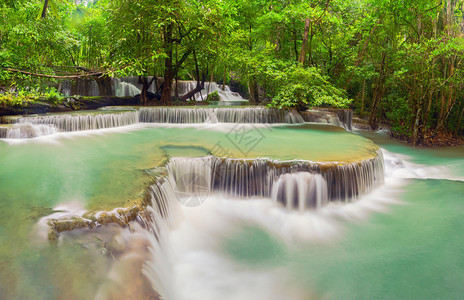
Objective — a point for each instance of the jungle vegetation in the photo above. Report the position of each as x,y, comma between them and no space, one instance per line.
393,61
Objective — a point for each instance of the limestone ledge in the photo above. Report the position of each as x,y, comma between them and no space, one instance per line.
137,209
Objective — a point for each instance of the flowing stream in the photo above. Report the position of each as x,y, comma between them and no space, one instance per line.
274,232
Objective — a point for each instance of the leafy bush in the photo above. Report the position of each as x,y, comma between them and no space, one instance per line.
300,87
400,117
214,96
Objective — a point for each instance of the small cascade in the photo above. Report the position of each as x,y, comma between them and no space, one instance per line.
212,118
346,118
82,87
173,115
84,121
300,191
223,115
225,95
299,184
125,89
192,184
163,215
342,118
65,88
26,131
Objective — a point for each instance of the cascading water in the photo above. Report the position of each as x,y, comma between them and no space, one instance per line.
84,122
342,118
223,115
315,183
225,95
297,186
309,190
163,214
82,87
130,86
124,89
26,131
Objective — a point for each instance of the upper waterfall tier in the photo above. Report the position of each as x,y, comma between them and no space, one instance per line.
130,86
78,122
223,115
339,117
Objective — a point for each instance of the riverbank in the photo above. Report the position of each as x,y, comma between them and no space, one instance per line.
431,139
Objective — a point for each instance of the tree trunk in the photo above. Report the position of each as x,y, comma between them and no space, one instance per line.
200,85
456,131
253,90
224,79
363,95
44,10
379,89
378,95
145,86
295,48
415,131
304,45
168,72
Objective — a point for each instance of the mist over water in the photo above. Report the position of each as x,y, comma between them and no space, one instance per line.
401,240
254,248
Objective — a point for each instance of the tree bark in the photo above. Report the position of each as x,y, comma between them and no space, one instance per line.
304,45
200,85
168,72
415,131
379,89
145,86
44,10
253,90
456,131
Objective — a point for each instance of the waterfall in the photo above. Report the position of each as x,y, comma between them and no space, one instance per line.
130,86
125,89
298,184
163,214
346,118
301,190
83,87
224,115
341,117
26,131
295,185
85,121
226,95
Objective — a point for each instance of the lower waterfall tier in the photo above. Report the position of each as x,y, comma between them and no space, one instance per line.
296,184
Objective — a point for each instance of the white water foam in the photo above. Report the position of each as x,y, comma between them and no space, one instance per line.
202,269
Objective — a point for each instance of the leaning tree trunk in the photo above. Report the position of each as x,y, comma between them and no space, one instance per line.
44,10
200,84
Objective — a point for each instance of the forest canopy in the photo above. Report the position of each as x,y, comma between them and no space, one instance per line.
398,62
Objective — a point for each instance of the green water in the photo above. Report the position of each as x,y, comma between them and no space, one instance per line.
414,249
106,170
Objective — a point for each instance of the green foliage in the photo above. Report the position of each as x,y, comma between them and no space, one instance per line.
213,97
20,99
401,61
400,116
302,87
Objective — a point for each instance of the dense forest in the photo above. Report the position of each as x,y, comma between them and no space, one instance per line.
398,62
